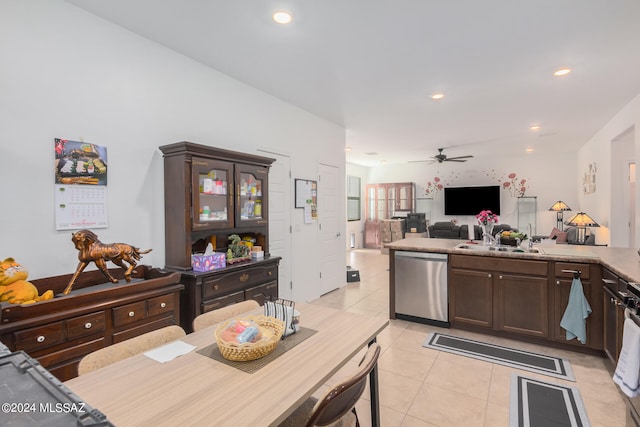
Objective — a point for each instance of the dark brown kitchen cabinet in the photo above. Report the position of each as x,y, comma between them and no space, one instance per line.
523,303
499,294
471,297
561,283
613,304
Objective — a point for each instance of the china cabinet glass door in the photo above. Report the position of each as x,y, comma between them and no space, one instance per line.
213,201
250,186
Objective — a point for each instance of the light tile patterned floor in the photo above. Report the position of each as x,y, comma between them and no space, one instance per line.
421,387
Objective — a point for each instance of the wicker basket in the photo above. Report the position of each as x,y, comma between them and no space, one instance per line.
250,351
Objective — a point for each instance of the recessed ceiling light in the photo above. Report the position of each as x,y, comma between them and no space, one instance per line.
347,148
437,96
562,72
529,149
534,127
282,17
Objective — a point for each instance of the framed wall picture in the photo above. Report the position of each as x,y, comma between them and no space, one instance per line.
306,192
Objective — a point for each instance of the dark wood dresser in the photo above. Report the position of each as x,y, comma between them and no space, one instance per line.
59,332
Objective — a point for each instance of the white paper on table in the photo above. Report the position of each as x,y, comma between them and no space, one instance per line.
169,351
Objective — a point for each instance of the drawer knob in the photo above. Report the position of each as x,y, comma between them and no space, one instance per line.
216,287
132,313
557,282
163,305
88,325
244,277
41,338
500,277
269,273
489,275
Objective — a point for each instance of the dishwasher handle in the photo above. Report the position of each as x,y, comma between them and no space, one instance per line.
429,256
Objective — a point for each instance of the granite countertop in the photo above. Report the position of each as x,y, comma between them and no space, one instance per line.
624,262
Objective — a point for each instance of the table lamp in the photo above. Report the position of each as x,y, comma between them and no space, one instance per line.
581,221
559,207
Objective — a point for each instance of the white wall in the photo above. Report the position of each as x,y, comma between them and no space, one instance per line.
549,178
67,74
599,150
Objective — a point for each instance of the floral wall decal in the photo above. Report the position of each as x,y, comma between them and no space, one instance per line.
516,187
432,188
589,179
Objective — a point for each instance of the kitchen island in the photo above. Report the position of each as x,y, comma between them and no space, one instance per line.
523,295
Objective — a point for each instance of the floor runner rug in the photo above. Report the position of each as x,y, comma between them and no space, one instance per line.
536,403
519,359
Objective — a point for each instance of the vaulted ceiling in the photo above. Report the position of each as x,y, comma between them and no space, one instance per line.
372,66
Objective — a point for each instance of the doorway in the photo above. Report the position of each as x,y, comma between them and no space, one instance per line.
623,190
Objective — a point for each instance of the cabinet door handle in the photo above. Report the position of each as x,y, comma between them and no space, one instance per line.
88,325
41,338
163,305
132,313
557,282
609,281
489,275
500,277
269,273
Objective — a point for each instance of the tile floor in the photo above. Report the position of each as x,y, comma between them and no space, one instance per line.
421,387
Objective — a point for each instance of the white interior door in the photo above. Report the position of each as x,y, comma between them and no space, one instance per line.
330,227
280,219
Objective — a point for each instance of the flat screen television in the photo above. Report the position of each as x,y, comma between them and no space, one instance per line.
471,200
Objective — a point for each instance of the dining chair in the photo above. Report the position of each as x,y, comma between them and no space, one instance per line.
124,349
337,407
216,316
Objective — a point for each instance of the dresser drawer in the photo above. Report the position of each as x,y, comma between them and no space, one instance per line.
129,313
85,325
40,337
159,305
229,282
216,303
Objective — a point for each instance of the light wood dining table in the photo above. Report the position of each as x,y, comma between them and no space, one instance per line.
197,390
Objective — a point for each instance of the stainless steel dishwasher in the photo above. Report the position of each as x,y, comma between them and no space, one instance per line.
421,287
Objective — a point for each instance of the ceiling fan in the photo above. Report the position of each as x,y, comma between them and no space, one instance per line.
443,158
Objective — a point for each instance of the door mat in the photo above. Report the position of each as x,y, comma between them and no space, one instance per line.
535,403
252,366
519,359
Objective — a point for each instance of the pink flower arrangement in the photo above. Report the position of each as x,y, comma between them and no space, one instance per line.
485,217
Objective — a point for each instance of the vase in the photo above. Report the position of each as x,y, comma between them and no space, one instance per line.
486,233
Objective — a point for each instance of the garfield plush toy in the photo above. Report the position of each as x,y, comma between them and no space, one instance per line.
14,287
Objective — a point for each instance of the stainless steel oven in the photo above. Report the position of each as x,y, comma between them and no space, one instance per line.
632,301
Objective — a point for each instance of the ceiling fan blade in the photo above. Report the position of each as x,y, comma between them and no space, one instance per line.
422,161
459,157
455,160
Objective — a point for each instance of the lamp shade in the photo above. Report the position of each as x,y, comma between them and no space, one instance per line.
559,206
581,219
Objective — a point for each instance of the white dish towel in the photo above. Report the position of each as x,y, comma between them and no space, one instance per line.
627,374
